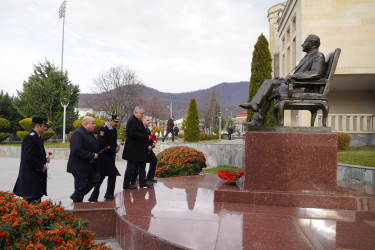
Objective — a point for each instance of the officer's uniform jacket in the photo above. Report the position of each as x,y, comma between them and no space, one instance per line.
107,136
31,181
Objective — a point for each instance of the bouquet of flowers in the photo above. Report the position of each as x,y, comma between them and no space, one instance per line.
153,137
230,177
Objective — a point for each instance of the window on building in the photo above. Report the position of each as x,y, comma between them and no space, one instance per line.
276,65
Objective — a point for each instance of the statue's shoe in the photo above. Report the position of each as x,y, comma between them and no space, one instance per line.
253,106
255,123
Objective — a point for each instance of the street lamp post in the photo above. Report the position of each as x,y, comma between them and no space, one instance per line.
170,108
62,11
230,113
219,115
64,102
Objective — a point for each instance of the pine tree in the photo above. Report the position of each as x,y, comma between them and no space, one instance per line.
191,133
8,112
42,94
261,69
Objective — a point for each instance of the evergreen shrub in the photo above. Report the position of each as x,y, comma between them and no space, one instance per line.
180,161
121,132
3,136
157,130
343,140
4,125
191,130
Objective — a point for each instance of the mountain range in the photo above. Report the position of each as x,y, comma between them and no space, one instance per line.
228,96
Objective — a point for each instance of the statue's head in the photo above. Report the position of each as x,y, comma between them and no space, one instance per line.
311,42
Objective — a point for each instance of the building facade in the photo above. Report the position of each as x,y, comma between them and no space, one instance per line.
349,25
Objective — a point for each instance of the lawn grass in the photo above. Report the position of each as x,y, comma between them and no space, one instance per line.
363,156
225,168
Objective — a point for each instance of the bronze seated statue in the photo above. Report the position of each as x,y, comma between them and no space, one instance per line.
306,88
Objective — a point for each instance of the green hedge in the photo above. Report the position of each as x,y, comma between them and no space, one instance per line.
343,140
98,124
45,136
203,136
4,125
3,136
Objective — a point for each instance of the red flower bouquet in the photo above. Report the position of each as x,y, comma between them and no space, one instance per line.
229,177
153,137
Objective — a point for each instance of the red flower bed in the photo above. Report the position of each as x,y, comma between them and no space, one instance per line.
229,177
41,226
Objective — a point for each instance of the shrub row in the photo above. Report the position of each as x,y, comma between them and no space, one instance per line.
41,226
179,161
343,140
203,136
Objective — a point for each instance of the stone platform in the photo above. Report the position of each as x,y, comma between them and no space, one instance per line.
289,169
180,213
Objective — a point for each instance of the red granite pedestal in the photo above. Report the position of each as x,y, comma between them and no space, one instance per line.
289,169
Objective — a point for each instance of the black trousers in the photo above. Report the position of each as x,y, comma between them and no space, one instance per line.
151,171
83,183
33,200
167,135
133,169
111,184
229,136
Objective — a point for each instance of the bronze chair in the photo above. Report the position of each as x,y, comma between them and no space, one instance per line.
309,101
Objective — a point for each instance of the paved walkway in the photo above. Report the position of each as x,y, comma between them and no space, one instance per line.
60,184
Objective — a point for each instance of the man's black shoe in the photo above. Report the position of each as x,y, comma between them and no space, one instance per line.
93,199
130,187
146,185
152,180
109,196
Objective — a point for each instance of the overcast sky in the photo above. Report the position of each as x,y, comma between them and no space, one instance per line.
172,45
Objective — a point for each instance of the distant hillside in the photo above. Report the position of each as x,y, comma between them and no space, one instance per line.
229,96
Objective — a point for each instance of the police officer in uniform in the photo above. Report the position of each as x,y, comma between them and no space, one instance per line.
107,140
31,183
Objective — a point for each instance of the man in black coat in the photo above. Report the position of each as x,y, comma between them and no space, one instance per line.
135,150
81,162
170,125
31,183
311,67
230,132
151,157
176,130
107,140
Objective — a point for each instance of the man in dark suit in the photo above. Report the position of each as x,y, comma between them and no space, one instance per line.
151,157
170,125
135,150
31,183
107,140
230,132
311,67
81,162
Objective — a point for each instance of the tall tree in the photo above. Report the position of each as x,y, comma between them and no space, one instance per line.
191,133
212,109
155,108
8,112
118,87
42,95
261,69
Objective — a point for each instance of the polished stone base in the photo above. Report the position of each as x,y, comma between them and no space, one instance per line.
290,161
338,199
180,213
